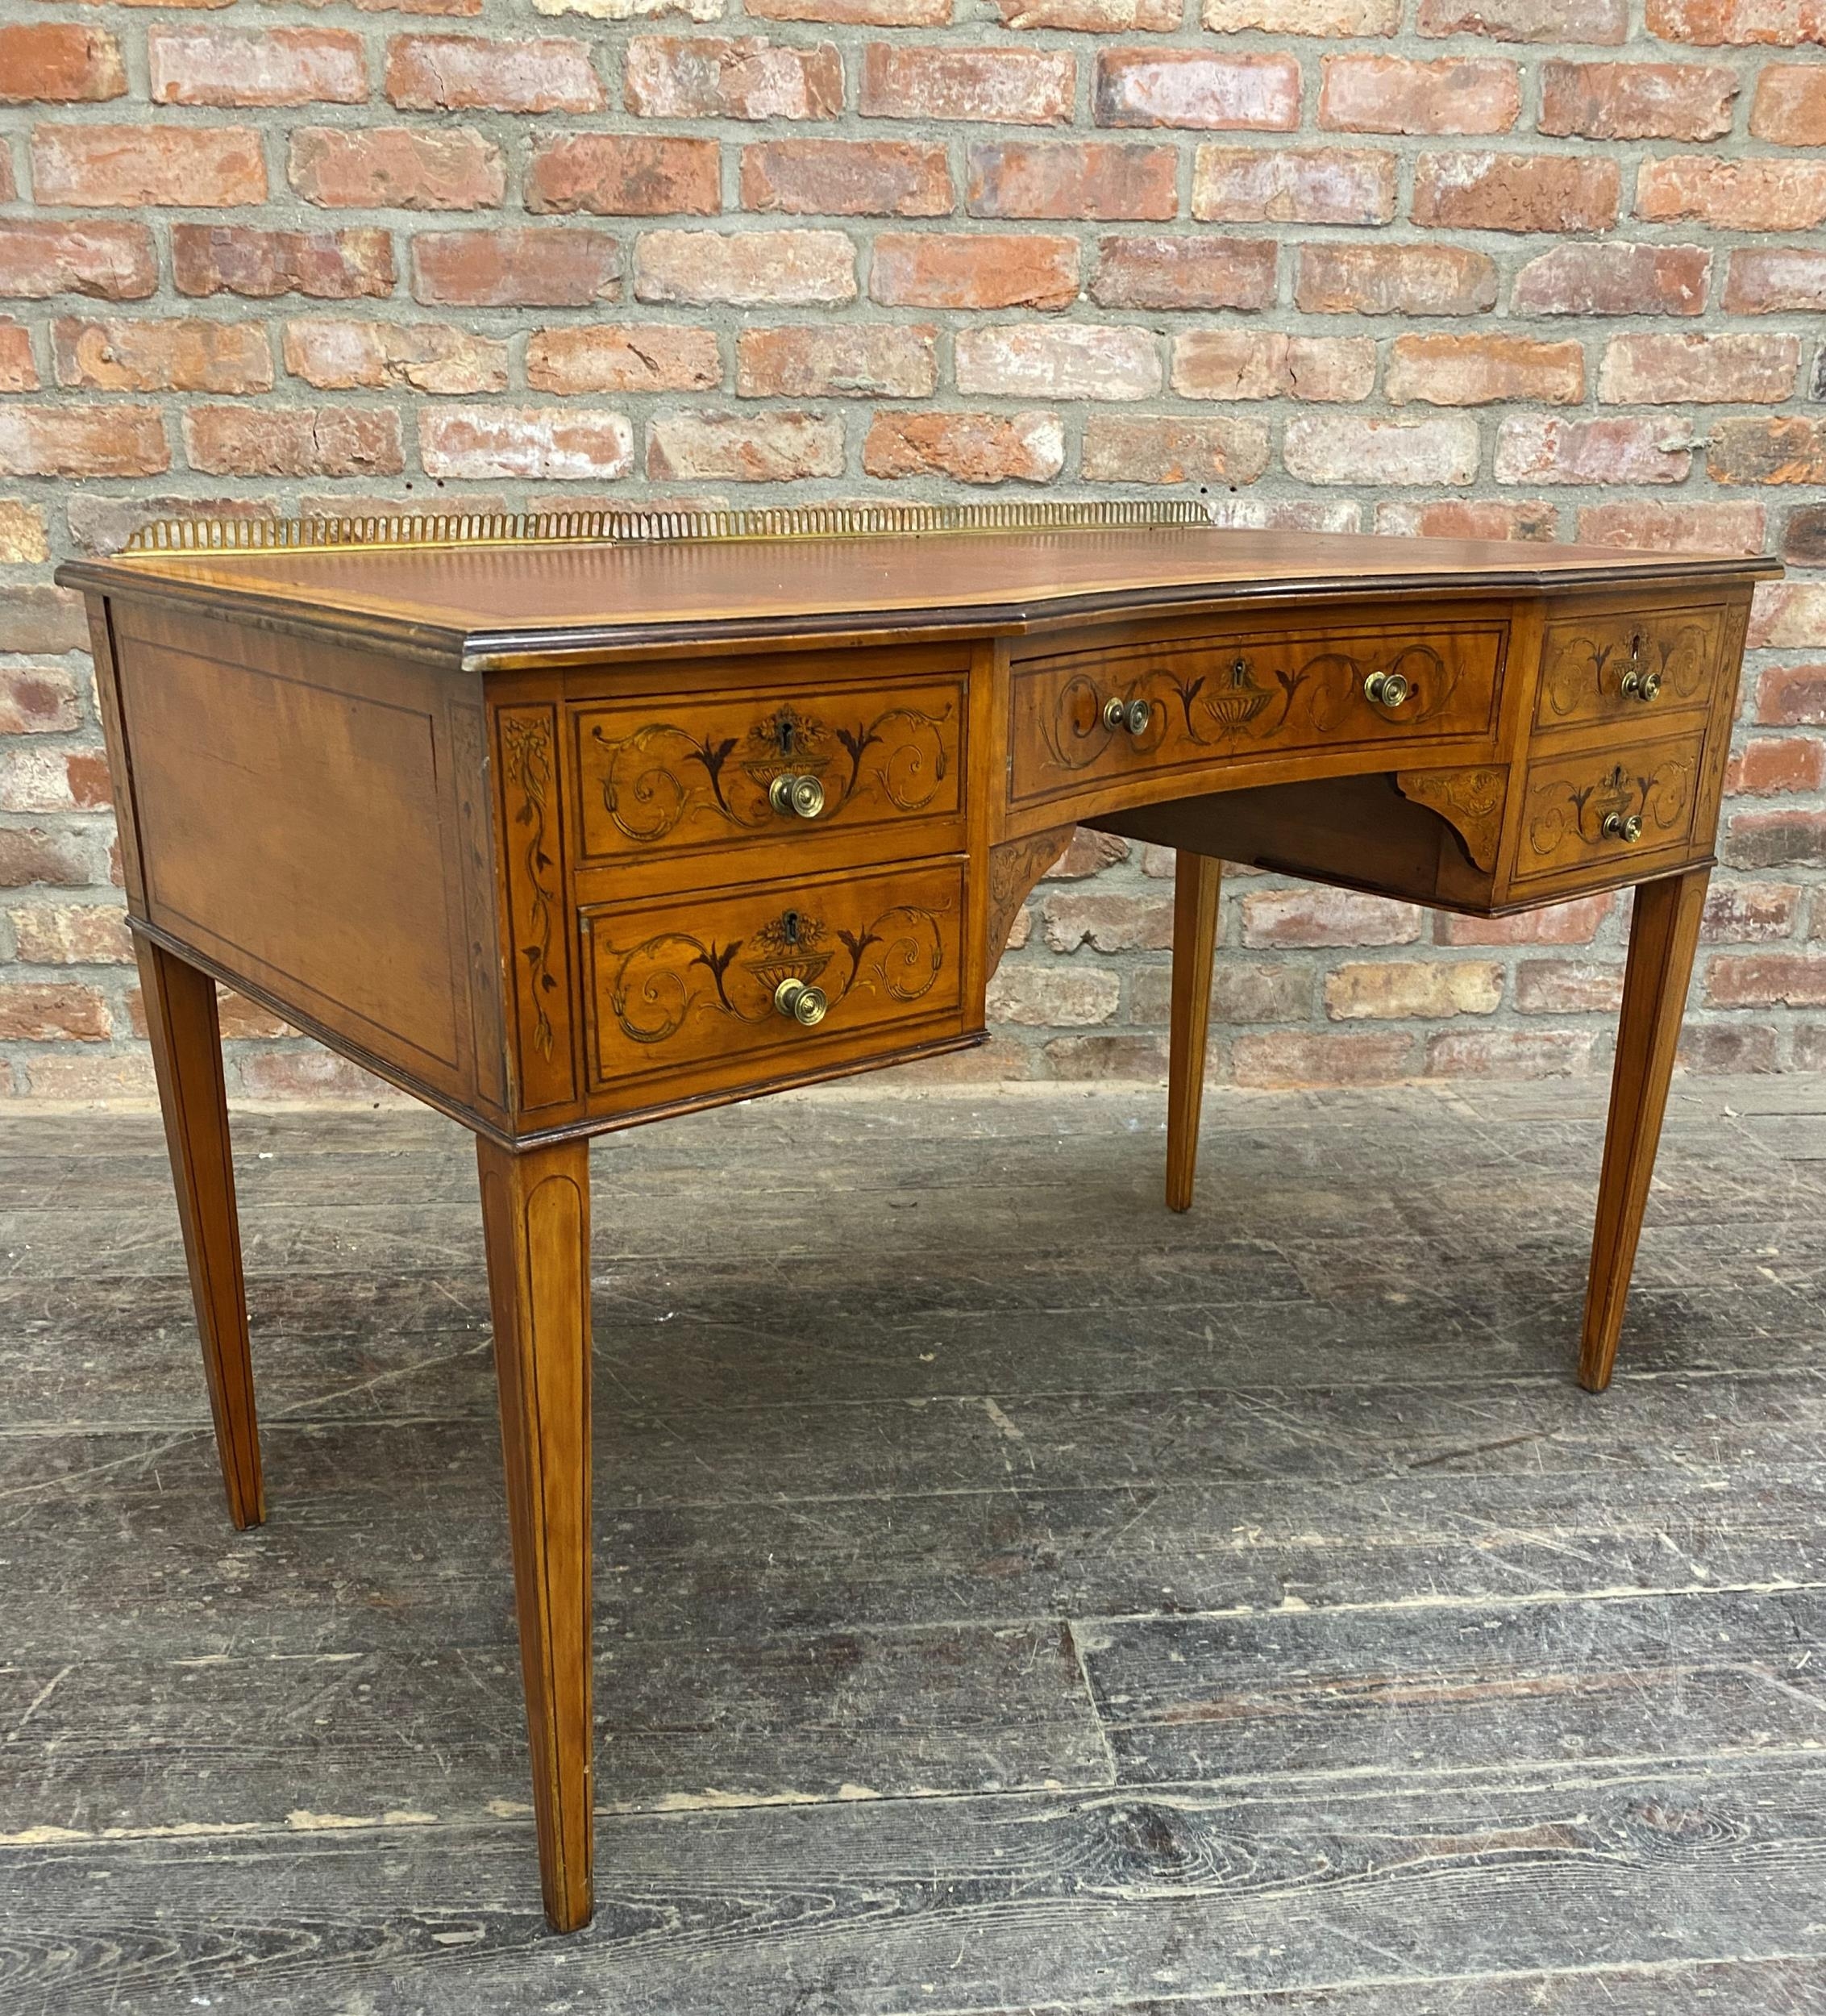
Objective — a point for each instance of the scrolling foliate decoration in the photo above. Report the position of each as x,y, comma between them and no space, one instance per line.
655,777
1239,704
653,986
1662,800
527,741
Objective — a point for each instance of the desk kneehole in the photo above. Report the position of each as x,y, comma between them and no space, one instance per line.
725,989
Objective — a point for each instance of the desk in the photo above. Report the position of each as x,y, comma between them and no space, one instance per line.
566,824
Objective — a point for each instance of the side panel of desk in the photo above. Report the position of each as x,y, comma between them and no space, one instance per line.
309,823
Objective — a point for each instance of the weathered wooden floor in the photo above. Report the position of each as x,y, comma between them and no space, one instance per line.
1010,1596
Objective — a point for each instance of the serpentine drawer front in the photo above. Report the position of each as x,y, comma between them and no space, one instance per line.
774,979
1093,716
693,772
1609,808
568,824
1629,664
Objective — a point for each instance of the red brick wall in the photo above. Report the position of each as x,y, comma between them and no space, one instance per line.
1530,268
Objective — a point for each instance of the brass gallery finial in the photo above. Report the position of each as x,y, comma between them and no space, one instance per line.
638,527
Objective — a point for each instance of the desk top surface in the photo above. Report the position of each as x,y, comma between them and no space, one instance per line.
525,594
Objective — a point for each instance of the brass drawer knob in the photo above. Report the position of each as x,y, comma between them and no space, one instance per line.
1639,686
1619,826
798,1002
803,795
1387,689
1132,714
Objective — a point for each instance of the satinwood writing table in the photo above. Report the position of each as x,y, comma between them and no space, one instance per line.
567,824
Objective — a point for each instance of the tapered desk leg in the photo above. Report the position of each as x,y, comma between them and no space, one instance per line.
187,1059
1195,884
535,1214
1661,943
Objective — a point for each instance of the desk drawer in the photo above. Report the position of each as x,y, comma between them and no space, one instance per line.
1222,699
1621,662
695,772
1609,808
691,990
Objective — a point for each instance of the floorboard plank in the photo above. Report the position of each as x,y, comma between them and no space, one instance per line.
880,1908
1377,1689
